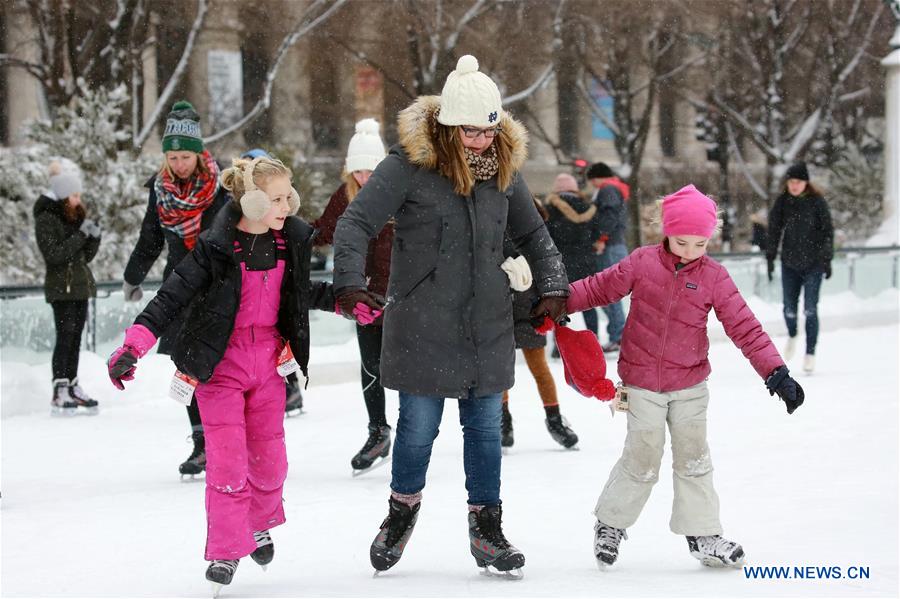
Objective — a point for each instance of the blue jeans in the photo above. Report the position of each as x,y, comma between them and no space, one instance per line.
614,312
792,281
417,428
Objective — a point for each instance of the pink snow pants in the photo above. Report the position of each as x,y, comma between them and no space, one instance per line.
242,409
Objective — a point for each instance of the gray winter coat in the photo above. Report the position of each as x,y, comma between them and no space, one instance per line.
448,325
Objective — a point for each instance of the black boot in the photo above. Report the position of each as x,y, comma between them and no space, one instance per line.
506,429
378,445
606,543
559,429
489,546
294,404
265,548
220,572
196,462
388,546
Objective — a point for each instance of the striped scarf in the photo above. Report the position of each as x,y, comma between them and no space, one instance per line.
181,203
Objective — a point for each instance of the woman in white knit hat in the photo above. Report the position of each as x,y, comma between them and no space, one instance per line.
365,152
68,242
453,188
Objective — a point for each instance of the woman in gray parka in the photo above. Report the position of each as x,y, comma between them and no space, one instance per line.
453,188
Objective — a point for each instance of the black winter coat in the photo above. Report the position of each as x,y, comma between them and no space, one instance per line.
151,242
206,287
66,251
802,227
448,327
574,225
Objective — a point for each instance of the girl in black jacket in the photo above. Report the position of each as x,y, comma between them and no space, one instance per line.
68,242
800,223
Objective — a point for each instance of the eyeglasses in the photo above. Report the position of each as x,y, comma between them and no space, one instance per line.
474,132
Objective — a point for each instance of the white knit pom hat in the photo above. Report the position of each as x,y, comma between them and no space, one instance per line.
65,179
470,97
366,149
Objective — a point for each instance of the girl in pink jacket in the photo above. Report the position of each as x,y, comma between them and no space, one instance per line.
664,365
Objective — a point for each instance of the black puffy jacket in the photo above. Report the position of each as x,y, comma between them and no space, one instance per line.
206,287
802,227
67,252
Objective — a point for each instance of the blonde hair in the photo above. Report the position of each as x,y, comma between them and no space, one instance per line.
232,178
201,167
451,157
351,185
658,218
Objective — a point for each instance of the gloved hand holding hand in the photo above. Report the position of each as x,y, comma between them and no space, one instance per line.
348,300
90,228
551,306
828,270
789,390
519,273
122,362
133,293
770,268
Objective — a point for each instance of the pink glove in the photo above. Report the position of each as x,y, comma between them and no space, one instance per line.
365,315
123,361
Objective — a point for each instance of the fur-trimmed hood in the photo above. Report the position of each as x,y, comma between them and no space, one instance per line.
414,126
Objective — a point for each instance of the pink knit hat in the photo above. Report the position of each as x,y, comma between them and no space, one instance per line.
688,212
565,182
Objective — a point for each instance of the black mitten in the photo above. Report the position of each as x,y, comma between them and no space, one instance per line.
789,390
770,268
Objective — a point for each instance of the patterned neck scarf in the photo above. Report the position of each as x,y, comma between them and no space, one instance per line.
181,203
484,166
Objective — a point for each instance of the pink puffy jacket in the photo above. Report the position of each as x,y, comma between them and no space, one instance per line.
665,346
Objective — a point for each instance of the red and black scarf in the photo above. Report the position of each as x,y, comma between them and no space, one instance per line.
181,203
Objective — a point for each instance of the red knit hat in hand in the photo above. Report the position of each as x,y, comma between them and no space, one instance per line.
583,363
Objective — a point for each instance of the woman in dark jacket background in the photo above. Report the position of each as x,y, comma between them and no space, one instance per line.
68,242
184,198
453,188
574,225
364,153
800,223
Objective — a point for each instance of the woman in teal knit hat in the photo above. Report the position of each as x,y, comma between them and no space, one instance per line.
184,196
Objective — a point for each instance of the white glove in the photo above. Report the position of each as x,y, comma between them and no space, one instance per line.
90,228
133,293
519,273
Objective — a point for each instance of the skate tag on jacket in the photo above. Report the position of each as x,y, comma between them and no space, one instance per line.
286,364
182,388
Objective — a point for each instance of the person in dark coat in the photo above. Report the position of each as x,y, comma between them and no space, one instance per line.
800,223
184,197
365,152
532,345
574,225
68,241
610,199
453,187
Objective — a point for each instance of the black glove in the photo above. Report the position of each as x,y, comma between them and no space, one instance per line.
771,267
552,306
788,389
348,300
828,270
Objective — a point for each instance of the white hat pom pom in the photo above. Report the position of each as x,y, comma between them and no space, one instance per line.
368,127
466,64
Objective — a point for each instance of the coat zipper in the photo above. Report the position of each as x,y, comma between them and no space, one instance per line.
665,332
69,278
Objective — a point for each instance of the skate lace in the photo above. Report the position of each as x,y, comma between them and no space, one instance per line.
491,528
262,538
197,451
78,393
609,534
397,524
373,440
225,564
715,545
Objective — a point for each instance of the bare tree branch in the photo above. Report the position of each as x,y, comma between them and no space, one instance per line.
541,80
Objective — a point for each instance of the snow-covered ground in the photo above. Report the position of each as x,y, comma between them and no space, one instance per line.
92,507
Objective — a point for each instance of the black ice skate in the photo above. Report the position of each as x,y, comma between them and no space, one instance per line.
388,546
715,551
66,403
560,431
294,404
375,451
506,430
606,543
265,548
196,462
492,552
220,572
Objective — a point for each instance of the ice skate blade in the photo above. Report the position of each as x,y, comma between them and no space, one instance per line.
294,413
491,571
73,412
376,464
712,562
505,450
216,588
192,478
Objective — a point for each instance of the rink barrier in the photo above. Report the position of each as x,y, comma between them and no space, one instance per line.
748,269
